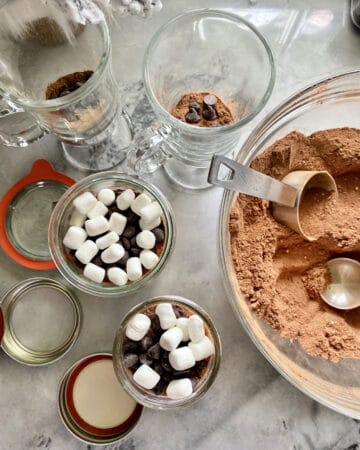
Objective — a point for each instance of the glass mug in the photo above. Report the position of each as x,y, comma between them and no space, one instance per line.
200,51
93,128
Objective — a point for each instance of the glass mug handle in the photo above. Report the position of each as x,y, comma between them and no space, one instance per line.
18,128
148,151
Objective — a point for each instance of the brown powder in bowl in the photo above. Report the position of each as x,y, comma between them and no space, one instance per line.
280,273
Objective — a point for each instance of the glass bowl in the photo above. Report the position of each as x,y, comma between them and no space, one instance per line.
60,219
330,103
144,396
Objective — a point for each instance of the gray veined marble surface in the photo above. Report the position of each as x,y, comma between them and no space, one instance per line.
250,405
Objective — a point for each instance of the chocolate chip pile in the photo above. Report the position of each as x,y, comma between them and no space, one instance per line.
115,237
202,109
67,84
208,110
167,350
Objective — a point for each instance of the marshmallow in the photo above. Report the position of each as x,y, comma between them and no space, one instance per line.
77,219
117,276
148,259
106,240
137,327
150,212
136,8
149,225
146,239
166,315
94,273
74,237
125,199
183,323
179,388
85,202
133,268
98,210
181,358
196,328
112,254
146,377
86,251
117,222
202,349
96,226
171,338
140,201
107,196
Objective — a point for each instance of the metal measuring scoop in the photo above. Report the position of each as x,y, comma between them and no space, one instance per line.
344,290
286,194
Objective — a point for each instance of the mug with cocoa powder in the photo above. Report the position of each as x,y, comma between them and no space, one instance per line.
203,90
67,89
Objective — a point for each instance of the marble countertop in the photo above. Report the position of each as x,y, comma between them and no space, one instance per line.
250,406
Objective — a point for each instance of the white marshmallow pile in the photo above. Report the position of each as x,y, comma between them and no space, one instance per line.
176,330
88,220
138,7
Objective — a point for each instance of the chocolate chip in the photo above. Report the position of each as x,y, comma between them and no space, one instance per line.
181,374
196,106
159,234
145,343
133,242
158,367
179,312
166,366
154,351
98,261
112,209
125,243
135,251
145,359
192,116
130,359
132,218
123,260
129,232
209,100
159,388
129,346
155,323
209,113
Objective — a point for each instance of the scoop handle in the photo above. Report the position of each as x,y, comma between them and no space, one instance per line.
248,181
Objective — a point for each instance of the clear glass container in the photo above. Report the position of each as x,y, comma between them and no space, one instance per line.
59,223
144,396
331,103
89,121
200,51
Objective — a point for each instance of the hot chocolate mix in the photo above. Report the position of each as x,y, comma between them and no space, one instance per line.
280,273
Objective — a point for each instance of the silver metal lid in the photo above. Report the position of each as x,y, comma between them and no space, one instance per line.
42,320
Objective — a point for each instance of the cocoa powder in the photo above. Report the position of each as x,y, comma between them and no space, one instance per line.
66,84
280,273
224,115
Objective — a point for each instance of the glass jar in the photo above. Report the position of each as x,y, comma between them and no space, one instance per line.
144,396
59,223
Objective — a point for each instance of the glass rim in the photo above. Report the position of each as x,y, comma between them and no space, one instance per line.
79,93
208,130
78,280
136,392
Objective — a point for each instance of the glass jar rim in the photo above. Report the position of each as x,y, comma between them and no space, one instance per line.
60,209
207,131
210,377
79,93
